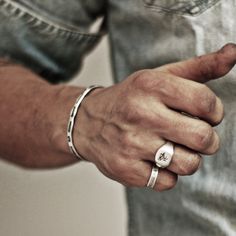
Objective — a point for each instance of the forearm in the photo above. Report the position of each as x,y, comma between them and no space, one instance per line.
34,116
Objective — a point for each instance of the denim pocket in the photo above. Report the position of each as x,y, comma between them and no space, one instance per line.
44,24
180,7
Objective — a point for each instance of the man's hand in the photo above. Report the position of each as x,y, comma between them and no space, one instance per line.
120,128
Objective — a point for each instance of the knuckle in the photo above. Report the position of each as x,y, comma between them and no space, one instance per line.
148,80
129,109
172,182
192,164
129,145
132,177
118,168
206,100
215,146
164,85
132,113
169,183
125,139
203,137
140,78
220,112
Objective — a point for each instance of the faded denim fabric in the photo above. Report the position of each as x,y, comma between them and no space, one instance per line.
51,37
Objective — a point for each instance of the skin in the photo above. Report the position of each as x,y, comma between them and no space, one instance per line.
118,128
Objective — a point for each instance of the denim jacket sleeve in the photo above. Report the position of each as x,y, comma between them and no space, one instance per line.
49,37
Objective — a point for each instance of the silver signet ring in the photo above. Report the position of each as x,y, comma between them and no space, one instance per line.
164,155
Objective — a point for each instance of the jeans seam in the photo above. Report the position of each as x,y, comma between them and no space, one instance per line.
41,23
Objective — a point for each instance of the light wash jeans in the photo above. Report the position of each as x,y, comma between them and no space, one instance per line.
52,37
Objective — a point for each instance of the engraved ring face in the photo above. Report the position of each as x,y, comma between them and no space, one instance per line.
164,155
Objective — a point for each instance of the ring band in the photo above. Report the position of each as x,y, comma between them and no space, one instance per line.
153,177
164,155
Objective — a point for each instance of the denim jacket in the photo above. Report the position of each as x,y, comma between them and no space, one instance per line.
52,37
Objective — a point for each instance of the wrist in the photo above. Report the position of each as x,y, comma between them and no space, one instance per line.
88,124
65,97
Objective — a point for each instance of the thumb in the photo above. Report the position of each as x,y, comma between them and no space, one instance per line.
206,67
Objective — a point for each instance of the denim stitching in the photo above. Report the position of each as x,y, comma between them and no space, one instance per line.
40,23
185,10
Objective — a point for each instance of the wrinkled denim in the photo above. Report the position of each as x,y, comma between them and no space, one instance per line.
52,37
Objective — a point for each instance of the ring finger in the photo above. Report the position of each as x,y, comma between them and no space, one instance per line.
183,162
165,179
